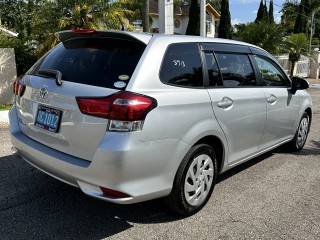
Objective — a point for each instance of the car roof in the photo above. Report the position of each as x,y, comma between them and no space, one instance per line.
146,37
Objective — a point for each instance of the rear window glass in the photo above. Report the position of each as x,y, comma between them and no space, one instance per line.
99,62
182,65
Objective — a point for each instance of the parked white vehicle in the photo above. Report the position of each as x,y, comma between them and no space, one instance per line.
129,117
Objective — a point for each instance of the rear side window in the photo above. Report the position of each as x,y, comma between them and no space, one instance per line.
99,62
236,70
181,65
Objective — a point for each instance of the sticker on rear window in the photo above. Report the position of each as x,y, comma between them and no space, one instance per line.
123,77
120,84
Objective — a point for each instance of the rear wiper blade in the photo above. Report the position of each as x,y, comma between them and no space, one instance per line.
52,73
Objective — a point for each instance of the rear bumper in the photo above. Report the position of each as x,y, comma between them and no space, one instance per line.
143,170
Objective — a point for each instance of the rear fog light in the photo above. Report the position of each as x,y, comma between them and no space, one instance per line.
113,193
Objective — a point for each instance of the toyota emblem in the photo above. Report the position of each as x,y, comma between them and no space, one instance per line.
44,92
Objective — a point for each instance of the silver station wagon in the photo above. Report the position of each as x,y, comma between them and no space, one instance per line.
129,117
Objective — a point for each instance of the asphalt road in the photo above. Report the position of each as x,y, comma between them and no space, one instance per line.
275,196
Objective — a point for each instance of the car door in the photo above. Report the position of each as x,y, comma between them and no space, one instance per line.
238,103
282,105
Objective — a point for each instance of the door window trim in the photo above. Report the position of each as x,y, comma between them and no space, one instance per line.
227,49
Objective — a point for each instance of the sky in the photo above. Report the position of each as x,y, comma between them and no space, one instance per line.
244,11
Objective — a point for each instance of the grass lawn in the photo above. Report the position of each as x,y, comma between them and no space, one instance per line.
5,107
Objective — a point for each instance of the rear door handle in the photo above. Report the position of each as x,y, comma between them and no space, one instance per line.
272,99
225,103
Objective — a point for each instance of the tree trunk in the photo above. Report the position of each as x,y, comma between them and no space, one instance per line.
145,18
293,64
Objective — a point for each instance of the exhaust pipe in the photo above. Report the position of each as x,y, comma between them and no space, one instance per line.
14,150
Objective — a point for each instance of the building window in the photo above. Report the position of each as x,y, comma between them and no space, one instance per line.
208,23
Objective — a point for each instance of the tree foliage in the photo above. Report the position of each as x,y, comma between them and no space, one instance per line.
262,14
25,56
296,17
225,28
301,23
289,15
194,19
268,36
36,21
270,17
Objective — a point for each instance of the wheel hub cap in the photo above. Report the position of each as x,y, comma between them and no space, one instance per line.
198,180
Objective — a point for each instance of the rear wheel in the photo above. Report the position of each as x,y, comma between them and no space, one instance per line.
300,138
194,181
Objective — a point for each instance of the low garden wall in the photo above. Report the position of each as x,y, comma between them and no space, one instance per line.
8,73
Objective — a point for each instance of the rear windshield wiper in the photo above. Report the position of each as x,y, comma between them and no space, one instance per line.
52,73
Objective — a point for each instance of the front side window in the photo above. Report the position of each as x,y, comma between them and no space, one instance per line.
181,65
270,74
236,70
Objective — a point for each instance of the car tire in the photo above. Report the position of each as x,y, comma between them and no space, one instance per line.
301,135
194,181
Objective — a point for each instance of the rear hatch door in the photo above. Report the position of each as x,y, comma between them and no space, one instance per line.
90,65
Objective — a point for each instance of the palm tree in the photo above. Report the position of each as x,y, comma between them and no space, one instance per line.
83,15
264,34
296,45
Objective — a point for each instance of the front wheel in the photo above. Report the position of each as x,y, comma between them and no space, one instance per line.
300,138
194,181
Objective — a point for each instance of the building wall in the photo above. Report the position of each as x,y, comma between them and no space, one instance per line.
8,73
315,65
213,28
184,20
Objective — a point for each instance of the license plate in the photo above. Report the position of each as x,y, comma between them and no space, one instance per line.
48,119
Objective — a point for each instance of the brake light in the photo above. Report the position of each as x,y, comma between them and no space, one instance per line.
18,87
83,31
126,111
94,106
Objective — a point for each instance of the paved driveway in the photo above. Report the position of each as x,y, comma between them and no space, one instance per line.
275,196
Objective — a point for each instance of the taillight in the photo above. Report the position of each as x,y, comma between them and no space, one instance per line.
126,111
94,106
18,87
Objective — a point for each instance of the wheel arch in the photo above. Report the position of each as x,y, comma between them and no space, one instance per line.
218,147
309,112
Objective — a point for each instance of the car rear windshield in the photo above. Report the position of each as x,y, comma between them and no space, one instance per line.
102,62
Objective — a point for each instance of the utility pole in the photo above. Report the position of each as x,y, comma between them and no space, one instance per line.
203,18
145,17
312,26
165,16
311,30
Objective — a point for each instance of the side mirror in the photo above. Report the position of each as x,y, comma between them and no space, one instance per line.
298,84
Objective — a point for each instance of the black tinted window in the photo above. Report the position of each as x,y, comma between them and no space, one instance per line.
236,70
213,70
98,62
270,74
182,65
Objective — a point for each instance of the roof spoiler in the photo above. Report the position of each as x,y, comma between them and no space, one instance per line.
67,35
